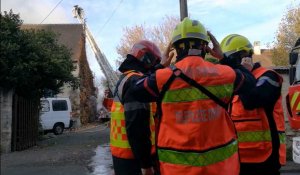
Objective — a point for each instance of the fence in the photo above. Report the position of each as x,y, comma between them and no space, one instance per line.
25,122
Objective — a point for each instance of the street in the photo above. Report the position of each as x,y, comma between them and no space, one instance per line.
71,153
81,152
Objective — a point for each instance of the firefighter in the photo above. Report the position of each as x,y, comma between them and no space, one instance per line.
258,114
132,124
195,133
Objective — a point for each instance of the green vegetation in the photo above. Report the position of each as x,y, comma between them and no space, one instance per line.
32,61
287,34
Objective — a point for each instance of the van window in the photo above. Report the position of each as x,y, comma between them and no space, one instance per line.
45,106
59,105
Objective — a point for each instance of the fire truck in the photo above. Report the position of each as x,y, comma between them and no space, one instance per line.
110,75
293,96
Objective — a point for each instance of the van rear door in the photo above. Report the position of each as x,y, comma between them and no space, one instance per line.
62,111
55,111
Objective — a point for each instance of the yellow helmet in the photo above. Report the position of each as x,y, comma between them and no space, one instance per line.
234,43
189,29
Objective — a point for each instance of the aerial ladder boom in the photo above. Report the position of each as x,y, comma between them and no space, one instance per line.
293,98
108,72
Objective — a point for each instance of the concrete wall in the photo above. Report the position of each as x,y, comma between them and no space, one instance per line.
6,100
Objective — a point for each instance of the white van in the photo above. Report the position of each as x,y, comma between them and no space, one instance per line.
55,114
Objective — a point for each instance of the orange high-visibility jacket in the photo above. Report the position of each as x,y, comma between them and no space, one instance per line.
254,133
196,135
119,144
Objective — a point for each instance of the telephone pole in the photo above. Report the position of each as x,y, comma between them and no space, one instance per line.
183,9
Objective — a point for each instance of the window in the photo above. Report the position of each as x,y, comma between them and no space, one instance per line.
297,76
45,106
59,105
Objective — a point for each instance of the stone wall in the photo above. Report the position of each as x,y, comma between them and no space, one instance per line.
6,100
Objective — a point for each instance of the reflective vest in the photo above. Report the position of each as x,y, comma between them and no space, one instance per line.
293,106
254,133
119,144
196,135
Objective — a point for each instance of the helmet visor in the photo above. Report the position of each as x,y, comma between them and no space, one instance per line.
149,60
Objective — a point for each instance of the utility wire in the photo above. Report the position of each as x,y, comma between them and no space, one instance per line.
110,16
51,11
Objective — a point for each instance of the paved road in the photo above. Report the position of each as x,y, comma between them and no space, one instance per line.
67,154
84,152
291,168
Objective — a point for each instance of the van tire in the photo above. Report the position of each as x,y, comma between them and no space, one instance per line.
58,128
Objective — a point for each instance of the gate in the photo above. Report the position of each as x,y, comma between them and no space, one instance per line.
25,121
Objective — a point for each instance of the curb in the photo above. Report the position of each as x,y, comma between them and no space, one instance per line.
91,126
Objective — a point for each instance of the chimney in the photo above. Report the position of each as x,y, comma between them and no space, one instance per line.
257,48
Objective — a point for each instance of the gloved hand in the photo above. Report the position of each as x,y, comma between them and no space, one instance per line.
216,51
247,63
167,56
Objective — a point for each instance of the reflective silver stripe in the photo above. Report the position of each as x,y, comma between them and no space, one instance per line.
236,50
248,45
197,35
262,79
229,53
175,38
195,22
120,87
194,52
191,35
229,39
140,46
136,105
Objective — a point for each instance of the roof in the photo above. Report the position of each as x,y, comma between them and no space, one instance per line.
68,35
281,69
265,58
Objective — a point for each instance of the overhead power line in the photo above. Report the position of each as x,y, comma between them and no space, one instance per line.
110,16
51,11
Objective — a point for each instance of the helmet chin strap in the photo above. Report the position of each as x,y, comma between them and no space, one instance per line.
198,52
194,52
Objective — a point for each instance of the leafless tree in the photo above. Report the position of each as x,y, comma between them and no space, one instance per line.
287,34
160,35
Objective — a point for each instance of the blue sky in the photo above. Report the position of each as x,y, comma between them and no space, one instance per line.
256,19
